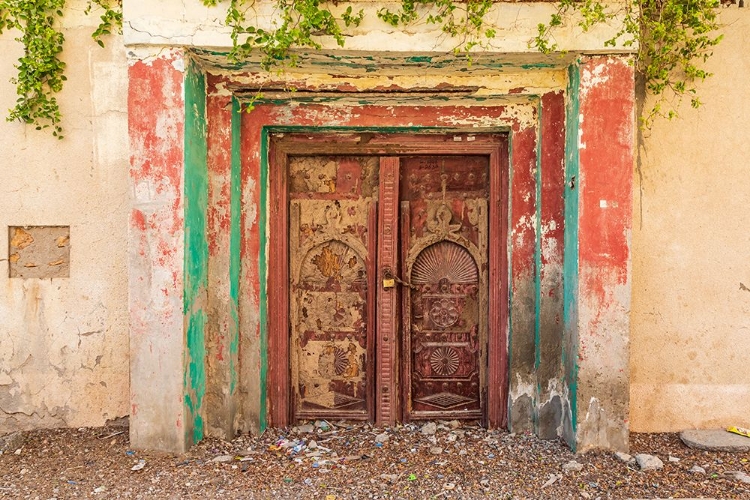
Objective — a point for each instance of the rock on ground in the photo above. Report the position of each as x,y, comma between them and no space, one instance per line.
11,442
648,462
716,440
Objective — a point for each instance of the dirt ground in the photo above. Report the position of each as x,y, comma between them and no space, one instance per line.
332,462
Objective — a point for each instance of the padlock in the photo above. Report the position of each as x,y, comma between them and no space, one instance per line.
389,282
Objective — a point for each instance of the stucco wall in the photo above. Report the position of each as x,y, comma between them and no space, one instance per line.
64,341
690,314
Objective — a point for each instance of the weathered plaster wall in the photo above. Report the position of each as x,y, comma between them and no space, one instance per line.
691,308
64,341
190,23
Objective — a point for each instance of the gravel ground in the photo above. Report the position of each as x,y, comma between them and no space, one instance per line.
332,462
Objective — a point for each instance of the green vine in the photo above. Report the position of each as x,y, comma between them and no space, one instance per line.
40,71
300,23
673,39
463,21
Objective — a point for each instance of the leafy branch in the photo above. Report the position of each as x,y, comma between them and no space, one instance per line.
464,21
673,39
300,23
40,71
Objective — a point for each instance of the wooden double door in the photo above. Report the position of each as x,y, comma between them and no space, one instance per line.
385,298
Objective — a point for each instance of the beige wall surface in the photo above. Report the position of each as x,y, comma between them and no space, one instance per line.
690,318
64,341
191,23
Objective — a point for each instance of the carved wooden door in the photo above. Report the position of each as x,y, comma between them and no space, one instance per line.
332,203
444,219
388,286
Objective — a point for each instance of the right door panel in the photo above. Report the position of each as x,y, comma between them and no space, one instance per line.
444,237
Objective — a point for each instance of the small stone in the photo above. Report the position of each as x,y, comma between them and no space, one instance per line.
382,438
623,457
100,489
306,428
429,428
585,495
454,424
449,486
572,466
697,469
312,445
673,459
463,452
389,477
648,462
436,450
223,459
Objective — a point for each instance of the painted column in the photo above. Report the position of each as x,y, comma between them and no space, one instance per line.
598,218
156,251
222,339
549,255
523,229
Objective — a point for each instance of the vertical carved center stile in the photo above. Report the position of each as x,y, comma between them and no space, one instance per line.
387,333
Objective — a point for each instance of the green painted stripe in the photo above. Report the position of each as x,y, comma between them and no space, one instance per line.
196,249
570,253
262,271
234,243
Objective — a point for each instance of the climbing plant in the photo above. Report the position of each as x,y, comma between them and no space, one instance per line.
672,38
40,72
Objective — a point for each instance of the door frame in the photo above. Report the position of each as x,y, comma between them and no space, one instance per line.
387,409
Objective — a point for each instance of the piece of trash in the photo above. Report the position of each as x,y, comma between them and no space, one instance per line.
223,459
130,453
72,482
412,477
449,486
139,466
739,430
330,497
288,480
100,489
553,478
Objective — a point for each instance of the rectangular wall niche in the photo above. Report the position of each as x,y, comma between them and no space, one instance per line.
39,251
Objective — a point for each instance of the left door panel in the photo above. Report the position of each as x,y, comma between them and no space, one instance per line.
332,247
